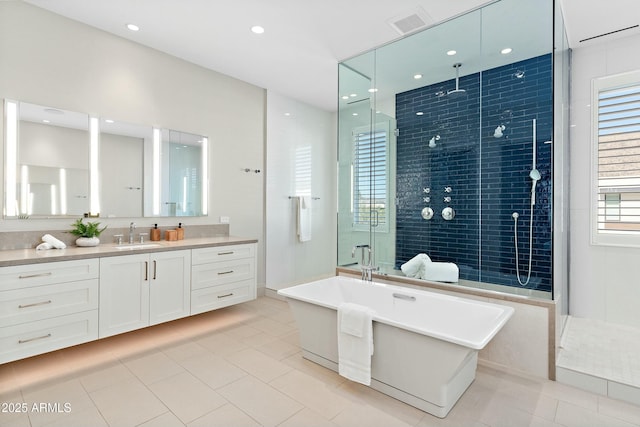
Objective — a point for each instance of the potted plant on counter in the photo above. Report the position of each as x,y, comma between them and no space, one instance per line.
87,233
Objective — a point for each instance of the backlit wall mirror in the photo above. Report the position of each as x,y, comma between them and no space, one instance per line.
47,161
60,163
183,176
122,170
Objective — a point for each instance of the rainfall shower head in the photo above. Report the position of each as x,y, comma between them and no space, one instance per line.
457,92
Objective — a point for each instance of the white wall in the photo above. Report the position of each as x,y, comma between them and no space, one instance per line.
603,279
297,133
50,60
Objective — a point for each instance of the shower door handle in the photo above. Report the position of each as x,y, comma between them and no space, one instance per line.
376,216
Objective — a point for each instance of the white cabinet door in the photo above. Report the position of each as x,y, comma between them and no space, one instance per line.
143,289
170,275
124,294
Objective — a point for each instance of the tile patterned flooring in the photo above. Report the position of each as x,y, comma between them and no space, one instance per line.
602,349
241,366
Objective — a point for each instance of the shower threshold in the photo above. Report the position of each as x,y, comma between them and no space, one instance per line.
600,357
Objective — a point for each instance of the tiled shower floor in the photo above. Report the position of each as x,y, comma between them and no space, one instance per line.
607,354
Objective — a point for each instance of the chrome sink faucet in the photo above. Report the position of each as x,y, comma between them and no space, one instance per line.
132,227
367,268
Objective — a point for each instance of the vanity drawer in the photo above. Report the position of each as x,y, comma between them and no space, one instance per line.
222,253
22,276
218,273
41,302
215,297
29,339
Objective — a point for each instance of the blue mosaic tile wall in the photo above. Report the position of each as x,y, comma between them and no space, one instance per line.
488,176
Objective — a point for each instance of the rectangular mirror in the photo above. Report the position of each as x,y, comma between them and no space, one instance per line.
122,149
182,173
47,161
60,163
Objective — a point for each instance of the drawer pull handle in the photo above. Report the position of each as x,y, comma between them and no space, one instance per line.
225,272
35,304
146,271
34,339
225,253
29,276
224,296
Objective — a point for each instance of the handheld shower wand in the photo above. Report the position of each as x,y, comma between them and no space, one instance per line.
535,177
534,174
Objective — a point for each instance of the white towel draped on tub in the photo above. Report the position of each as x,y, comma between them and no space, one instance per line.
355,342
303,218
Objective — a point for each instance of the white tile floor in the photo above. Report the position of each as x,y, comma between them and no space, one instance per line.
602,357
241,366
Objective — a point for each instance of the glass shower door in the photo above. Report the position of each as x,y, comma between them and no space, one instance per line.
363,165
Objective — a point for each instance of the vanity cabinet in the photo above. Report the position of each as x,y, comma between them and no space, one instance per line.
140,290
222,276
47,306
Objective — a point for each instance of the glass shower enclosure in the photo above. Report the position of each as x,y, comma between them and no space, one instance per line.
446,148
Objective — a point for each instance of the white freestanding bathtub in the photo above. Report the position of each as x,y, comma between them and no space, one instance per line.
426,343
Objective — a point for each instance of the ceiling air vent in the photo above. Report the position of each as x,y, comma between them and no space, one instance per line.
411,21
609,33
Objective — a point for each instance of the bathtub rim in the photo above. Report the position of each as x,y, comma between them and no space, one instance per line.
478,344
551,306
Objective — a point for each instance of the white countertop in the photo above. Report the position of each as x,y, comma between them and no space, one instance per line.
31,256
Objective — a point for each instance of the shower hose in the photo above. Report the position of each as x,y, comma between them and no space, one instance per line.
515,235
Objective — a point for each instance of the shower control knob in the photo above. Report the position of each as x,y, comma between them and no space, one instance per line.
447,199
447,189
427,213
426,190
427,199
448,213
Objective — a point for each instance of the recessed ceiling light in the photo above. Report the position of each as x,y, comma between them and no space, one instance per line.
257,29
417,76
373,89
108,121
419,113
345,97
353,95
451,52
133,27
354,114
46,121
506,51
287,114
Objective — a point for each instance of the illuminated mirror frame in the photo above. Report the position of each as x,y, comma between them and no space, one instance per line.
11,157
94,180
11,209
205,176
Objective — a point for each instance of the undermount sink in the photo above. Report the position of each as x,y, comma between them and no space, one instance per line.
135,246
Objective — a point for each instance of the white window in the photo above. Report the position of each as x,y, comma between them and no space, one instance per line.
616,160
370,179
